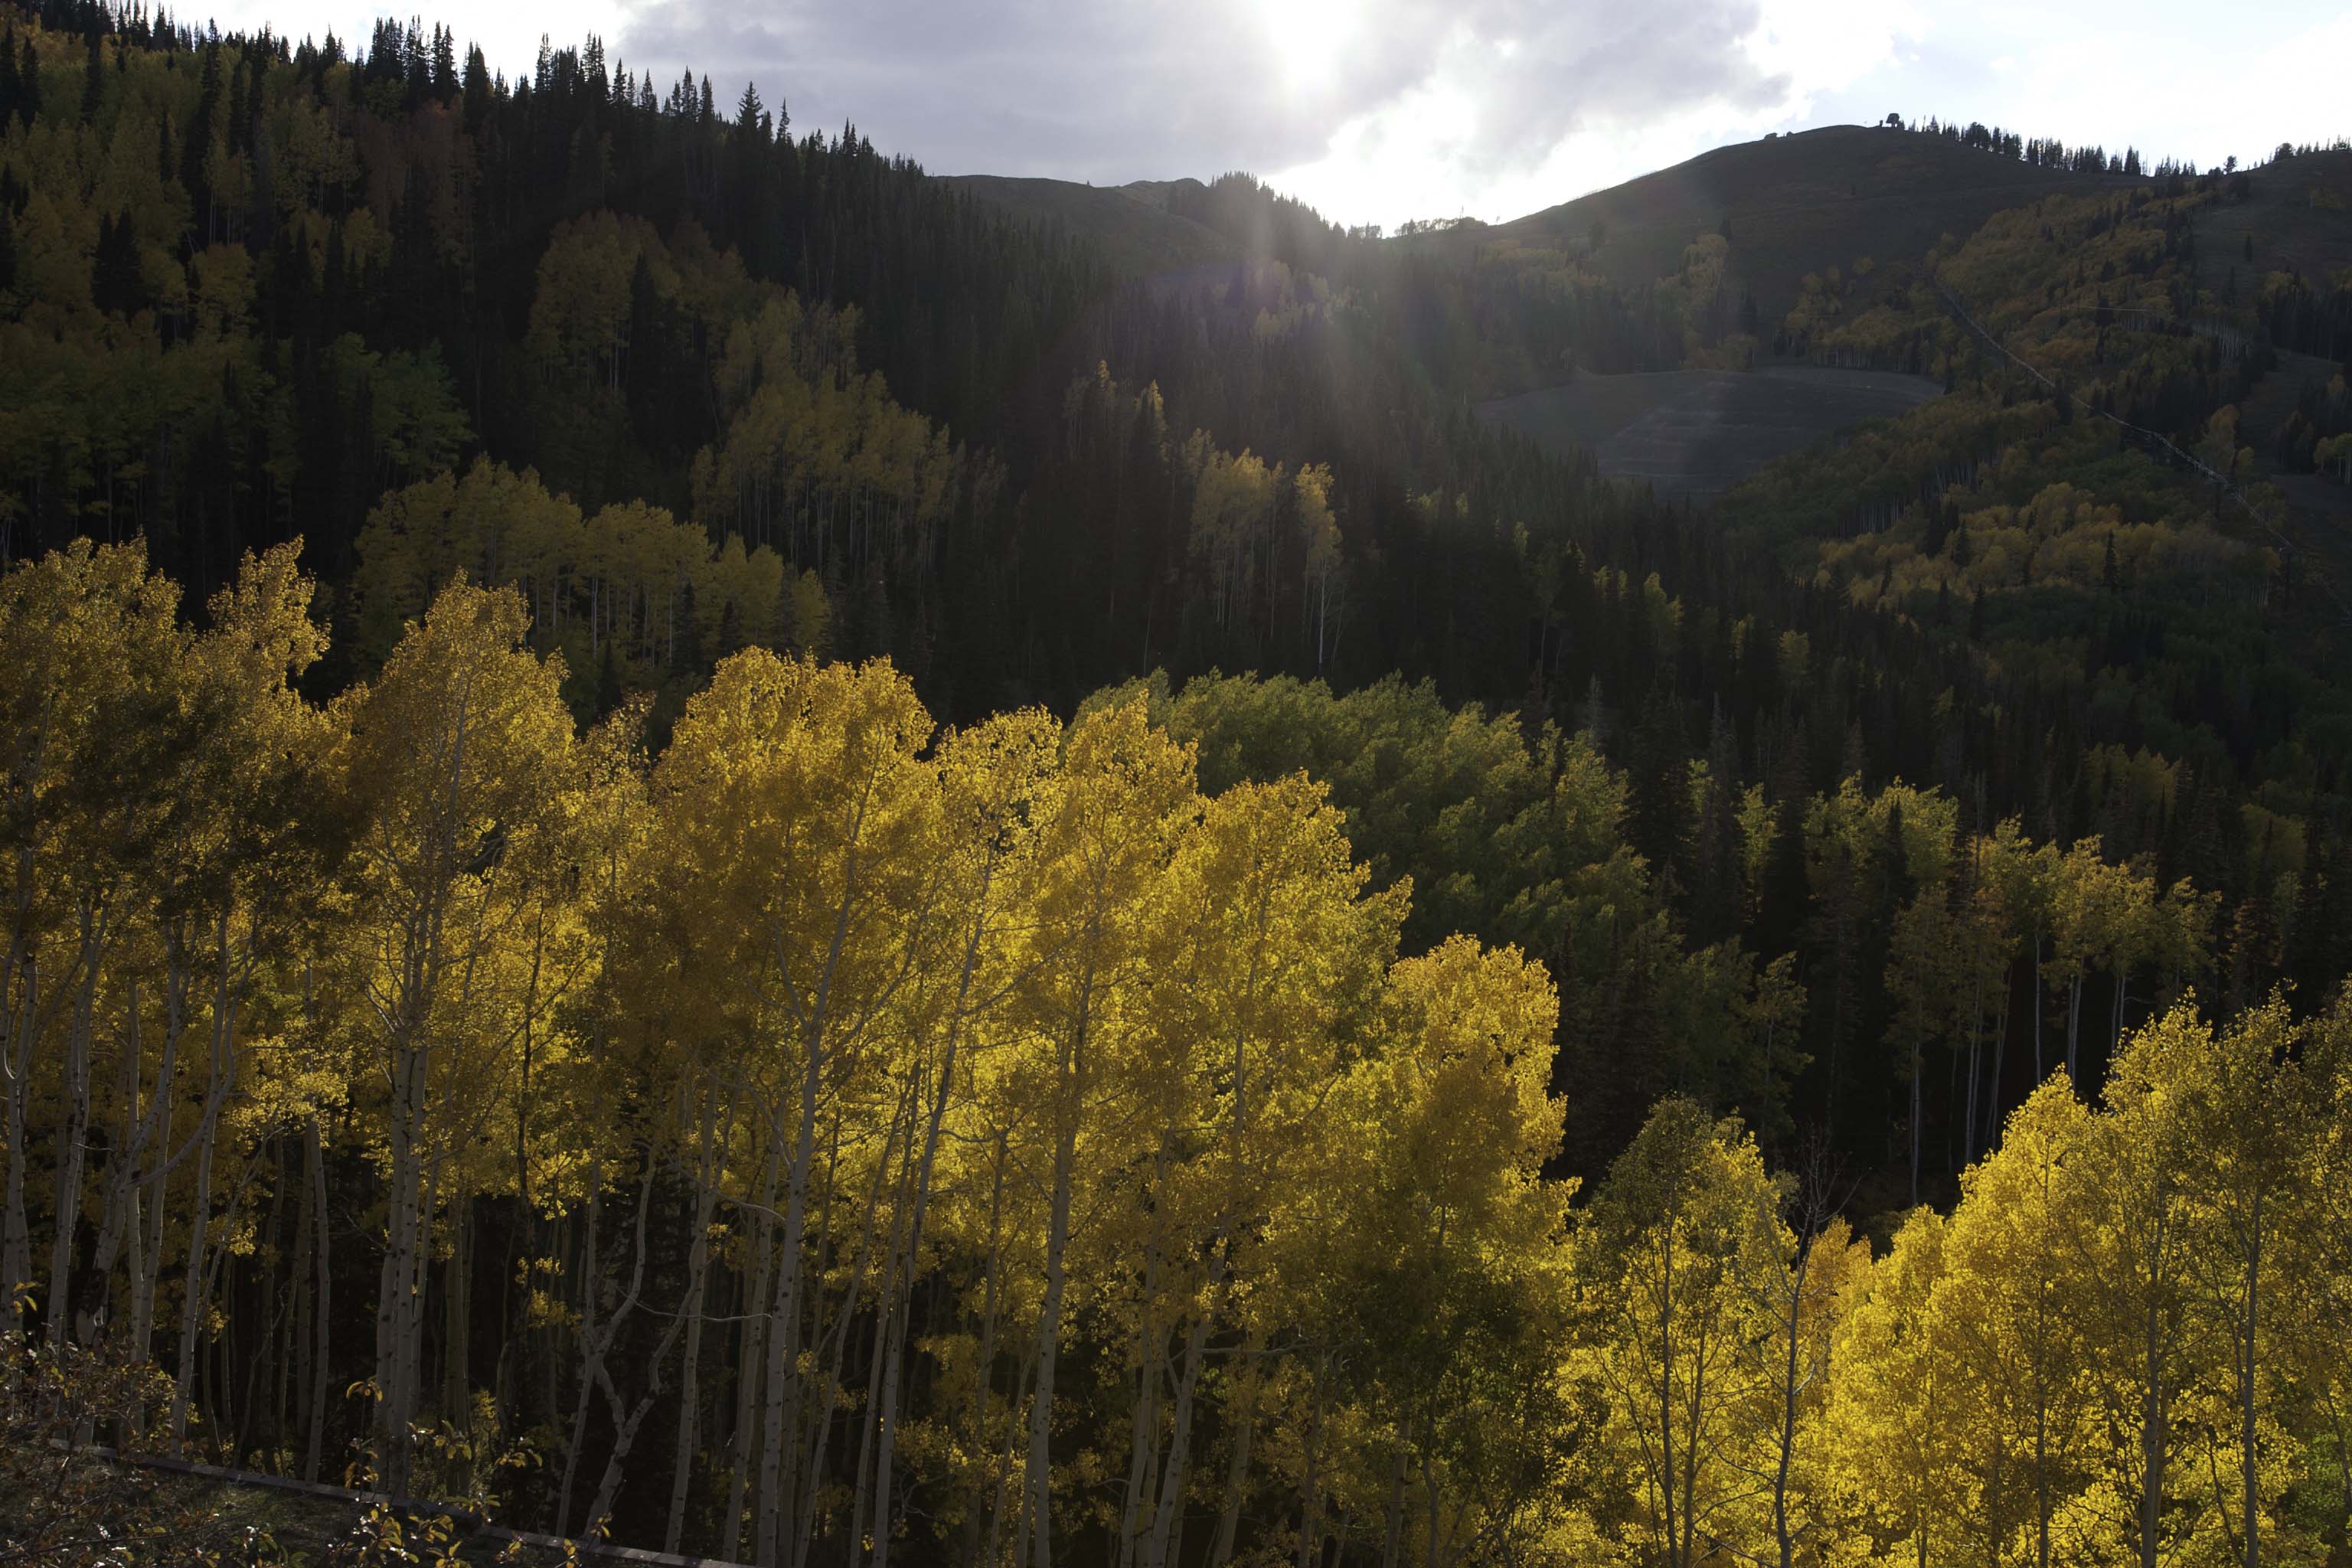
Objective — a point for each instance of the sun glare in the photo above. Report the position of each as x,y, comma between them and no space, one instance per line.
1306,36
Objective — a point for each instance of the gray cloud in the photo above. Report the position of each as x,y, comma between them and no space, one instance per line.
1122,90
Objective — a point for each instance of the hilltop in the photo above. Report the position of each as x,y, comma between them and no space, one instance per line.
1793,205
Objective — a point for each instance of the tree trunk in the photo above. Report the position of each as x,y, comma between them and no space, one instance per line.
1243,1418
193,1296
2249,1368
322,1315
1037,1492
1167,1526
695,1304
73,1139
777,1479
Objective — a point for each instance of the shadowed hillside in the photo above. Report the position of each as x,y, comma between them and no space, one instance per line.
1795,205
1131,225
1693,434
2298,213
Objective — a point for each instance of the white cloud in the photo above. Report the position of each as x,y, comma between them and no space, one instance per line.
1448,147
1384,109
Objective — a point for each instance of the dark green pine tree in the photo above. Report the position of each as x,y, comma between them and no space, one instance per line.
27,89
9,88
1657,775
93,79
199,146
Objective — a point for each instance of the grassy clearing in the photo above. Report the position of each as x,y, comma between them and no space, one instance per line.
1693,433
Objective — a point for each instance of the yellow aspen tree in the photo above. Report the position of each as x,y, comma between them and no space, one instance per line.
1275,950
2320,1299
452,772
1659,1260
2018,1394
2249,1109
1107,828
2132,1231
90,645
1455,1262
792,813
1801,1268
991,779
1892,1425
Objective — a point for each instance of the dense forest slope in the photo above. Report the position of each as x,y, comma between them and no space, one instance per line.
1132,225
1793,205
702,832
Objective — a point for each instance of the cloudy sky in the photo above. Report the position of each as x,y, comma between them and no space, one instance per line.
1379,111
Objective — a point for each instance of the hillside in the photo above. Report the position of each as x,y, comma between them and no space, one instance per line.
2299,216
1131,225
1693,434
1793,205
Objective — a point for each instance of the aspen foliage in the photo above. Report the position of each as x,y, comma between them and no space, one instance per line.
820,1134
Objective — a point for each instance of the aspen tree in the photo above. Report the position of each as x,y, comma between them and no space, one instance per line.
2133,1232
1659,1260
1273,952
87,635
452,770
1455,1261
1892,1425
790,808
2018,1399
1802,1270
1108,828
2249,1112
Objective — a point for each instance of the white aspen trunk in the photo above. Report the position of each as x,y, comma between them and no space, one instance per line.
15,1233
591,1346
73,1139
837,1360
777,1479
2000,1060
1394,1541
223,1079
19,985
626,1418
457,1315
2152,1419
1244,1416
1014,1427
1918,1069
119,1214
984,1364
1037,1488
394,1407
696,1302
1976,1065
2249,1369
1167,1526
2040,1068
322,1315
901,1309
1311,1482
2074,1029
749,1367
1144,1436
